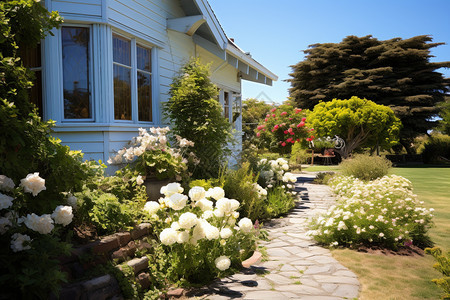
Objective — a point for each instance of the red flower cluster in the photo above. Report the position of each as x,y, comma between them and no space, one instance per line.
287,126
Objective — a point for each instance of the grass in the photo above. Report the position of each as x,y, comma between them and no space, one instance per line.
401,277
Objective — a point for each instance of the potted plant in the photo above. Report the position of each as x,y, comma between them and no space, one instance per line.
156,161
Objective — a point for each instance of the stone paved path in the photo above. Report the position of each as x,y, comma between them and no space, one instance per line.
296,267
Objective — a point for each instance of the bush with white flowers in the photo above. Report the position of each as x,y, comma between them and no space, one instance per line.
274,173
151,155
383,212
203,229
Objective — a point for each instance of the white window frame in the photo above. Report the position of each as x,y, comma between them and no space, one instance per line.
91,76
134,84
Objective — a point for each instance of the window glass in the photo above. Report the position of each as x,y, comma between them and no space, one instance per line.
31,58
226,104
144,84
122,78
75,56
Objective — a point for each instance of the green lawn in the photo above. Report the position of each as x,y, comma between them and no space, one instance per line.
399,277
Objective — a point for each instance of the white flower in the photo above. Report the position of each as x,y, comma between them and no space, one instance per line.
285,167
72,201
177,201
281,161
42,224
218,213
138,151
227,206
204,204
5,201
18,240
33,184
187,220
175,225
341,226
168,236
197,193
182,237
5,223
139,180
6,183
381,234
245,225
63,215
226,233
211,232
152,207
129,154
171,188
207,214
216,193
222,263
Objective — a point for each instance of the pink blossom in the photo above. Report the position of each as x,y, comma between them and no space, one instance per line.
301,124
285,132
303,119
273,109
273,115
283,113
283,144
265,120
258,134
276,127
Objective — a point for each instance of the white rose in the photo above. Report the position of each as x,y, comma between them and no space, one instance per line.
18,240
187,220
245,225
211,232
182,237
281,161
177,201
139,180
175,225
5,224
204,204
168,236
218,213
226,233
129,154
207,214
6,183
285,167
197,193
72,201
171,188
63,215
222,263
152,207
215,193
33,184
199,232
227,206
5,201
42,224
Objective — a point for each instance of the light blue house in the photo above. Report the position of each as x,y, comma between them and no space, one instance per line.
107,70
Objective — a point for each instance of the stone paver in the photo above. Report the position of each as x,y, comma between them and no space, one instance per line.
296,268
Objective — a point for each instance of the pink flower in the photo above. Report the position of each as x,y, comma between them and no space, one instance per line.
259,127
273,109
267,116
289,140
283,113
297,110
285,132
258,134
290,119
273,115
276,127
312,129
290,130
265,120
301,124
283,144
303,119
292,133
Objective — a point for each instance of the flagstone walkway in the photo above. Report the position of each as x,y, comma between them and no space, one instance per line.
296,268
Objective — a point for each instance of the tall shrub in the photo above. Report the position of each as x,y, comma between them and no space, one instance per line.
196,115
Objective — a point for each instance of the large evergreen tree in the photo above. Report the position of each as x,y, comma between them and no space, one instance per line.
396,72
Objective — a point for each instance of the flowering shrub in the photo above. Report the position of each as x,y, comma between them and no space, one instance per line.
383,212
30,241
199,232
151,155
282,127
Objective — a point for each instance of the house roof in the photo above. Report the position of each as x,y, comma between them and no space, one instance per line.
202,23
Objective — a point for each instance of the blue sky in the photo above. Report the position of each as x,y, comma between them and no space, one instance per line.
276,32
